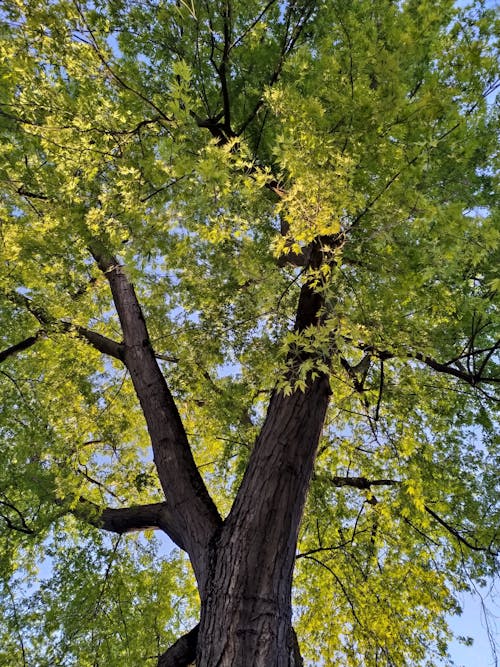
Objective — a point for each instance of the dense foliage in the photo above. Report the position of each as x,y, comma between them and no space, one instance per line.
226,153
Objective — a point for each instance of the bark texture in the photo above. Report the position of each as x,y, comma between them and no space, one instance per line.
246,617
244,565
194,514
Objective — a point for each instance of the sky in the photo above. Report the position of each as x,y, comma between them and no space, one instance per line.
473,623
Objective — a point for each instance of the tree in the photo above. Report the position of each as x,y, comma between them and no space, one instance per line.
258,239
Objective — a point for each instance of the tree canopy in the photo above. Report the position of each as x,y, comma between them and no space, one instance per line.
284,193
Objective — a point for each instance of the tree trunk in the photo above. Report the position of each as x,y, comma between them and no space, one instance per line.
246,613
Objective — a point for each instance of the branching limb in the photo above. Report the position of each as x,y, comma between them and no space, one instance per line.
156,516
450,367
183,652
194,514
340,583
365,484
93,43
457,535
22,345
102,343
291,36
20,525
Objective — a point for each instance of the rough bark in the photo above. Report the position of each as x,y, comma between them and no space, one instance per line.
156,516
244,565
246,617
183,652
194,515
246,614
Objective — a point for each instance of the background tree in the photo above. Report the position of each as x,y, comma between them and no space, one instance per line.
275,225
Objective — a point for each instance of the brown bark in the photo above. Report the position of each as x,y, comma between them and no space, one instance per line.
183,652
246,615
194,515
100,342
20,347
156,516
244,565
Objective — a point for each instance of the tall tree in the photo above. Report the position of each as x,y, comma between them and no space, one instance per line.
259,240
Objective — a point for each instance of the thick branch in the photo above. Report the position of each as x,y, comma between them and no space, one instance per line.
183,652
194,513
445,368
362,482
296,657
120,520
101,343
97,340
19,347
156,516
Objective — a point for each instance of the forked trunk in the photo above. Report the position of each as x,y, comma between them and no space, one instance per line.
243,564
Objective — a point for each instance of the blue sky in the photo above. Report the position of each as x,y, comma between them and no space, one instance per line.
472,623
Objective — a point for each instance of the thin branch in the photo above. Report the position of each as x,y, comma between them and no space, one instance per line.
161,189
82,469
252,25
289,42
380,390
364,484
456,534
31,195
23,527
342,545
446,367
339,582
488,356
17,623
95,47
395,177
222,70
420,532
